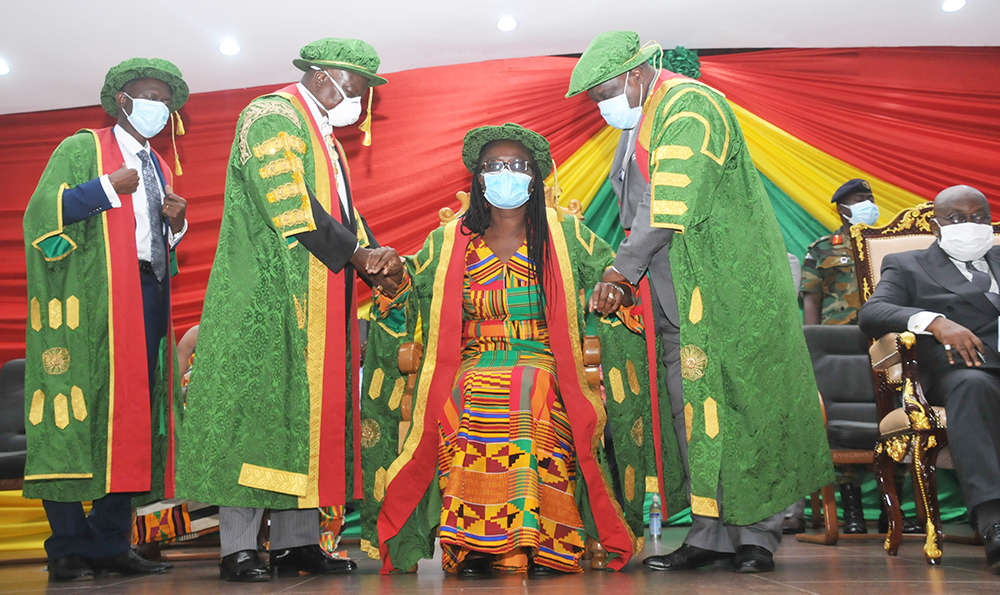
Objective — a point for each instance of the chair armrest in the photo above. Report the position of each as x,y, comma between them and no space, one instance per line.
884,353
409,357
921,415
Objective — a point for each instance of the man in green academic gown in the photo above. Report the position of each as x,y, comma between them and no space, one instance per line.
702,231
98,232
271,412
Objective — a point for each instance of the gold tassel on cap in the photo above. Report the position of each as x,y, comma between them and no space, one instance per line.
366,126
176,129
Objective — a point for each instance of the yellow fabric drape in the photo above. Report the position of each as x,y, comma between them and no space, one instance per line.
810,176
583,173
23,525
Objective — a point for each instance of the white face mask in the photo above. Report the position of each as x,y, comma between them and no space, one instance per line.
966,241
347,111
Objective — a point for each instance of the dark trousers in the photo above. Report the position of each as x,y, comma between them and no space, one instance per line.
107,531
972,399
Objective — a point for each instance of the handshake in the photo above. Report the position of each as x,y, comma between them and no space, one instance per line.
382,268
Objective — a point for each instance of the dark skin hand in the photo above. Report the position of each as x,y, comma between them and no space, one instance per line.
606,297
126,181
812,303
381,268
969,202
640,79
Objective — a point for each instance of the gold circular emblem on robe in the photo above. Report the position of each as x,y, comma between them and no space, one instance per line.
693,362
55,360
637,432
370,433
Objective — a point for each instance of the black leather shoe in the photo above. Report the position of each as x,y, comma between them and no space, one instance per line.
751,559
991,539
793,526
128,562
244,566
539,571
70,568
686,557
854,514
910,527
475,565
310,559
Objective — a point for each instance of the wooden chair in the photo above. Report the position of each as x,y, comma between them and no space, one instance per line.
910,430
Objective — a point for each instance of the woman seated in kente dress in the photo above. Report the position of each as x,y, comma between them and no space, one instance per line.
505,431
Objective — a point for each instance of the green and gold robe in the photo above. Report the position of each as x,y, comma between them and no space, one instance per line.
752,413
270,417
93,428
402,499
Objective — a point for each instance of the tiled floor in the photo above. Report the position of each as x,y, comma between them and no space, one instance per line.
851,567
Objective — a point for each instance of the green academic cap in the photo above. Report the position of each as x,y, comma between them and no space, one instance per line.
139,68
352,55
477,138
609,55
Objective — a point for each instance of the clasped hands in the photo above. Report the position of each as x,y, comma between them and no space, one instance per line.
613,292
126,181
382,268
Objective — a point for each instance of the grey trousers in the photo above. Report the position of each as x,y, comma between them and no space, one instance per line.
706,532
238,528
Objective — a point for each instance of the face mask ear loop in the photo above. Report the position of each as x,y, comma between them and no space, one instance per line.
176,129
366,126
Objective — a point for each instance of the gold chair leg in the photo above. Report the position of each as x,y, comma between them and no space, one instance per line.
884,467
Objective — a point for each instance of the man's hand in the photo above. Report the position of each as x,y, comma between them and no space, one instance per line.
613,276
608,297
958,338
174,209
124,180
382,268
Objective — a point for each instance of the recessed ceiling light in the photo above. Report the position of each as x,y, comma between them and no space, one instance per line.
4,69
952,5
506,23
229,47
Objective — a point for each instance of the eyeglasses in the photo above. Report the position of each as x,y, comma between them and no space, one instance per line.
495,166
959,218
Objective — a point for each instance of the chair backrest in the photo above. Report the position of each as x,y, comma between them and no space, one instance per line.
839,355
12,397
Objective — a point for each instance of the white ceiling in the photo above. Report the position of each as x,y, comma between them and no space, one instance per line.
59,50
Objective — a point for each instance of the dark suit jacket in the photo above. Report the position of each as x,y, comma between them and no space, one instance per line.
927,280
646,248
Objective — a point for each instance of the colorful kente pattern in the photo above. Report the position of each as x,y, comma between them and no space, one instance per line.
508,470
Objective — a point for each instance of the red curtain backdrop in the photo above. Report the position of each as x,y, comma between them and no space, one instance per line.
920,118
412,169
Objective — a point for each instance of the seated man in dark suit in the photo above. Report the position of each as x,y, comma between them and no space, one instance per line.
947,295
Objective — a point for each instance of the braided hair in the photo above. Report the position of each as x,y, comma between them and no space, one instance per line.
477,220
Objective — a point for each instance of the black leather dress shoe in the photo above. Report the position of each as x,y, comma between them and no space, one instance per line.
70,568
910,527
539,571
310,559
475,565
750,559
128,562
991,539
686,557
243,567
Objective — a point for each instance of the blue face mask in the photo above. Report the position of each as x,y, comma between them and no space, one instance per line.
863,212
618,113
148,117
507,189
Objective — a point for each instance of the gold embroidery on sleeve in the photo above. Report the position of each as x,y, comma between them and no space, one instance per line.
674,181
376,386
60,407
633,378
711,418
36,314
282,142
704,506
673,152
37,408
397,393
79,405
293,189
256,111
55,313
688,420
617,389
697,309
290,163
629,483
291,218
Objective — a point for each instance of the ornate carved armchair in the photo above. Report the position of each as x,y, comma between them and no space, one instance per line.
910,430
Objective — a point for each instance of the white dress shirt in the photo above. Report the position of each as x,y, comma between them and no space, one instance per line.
130,152
919,322
326,129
